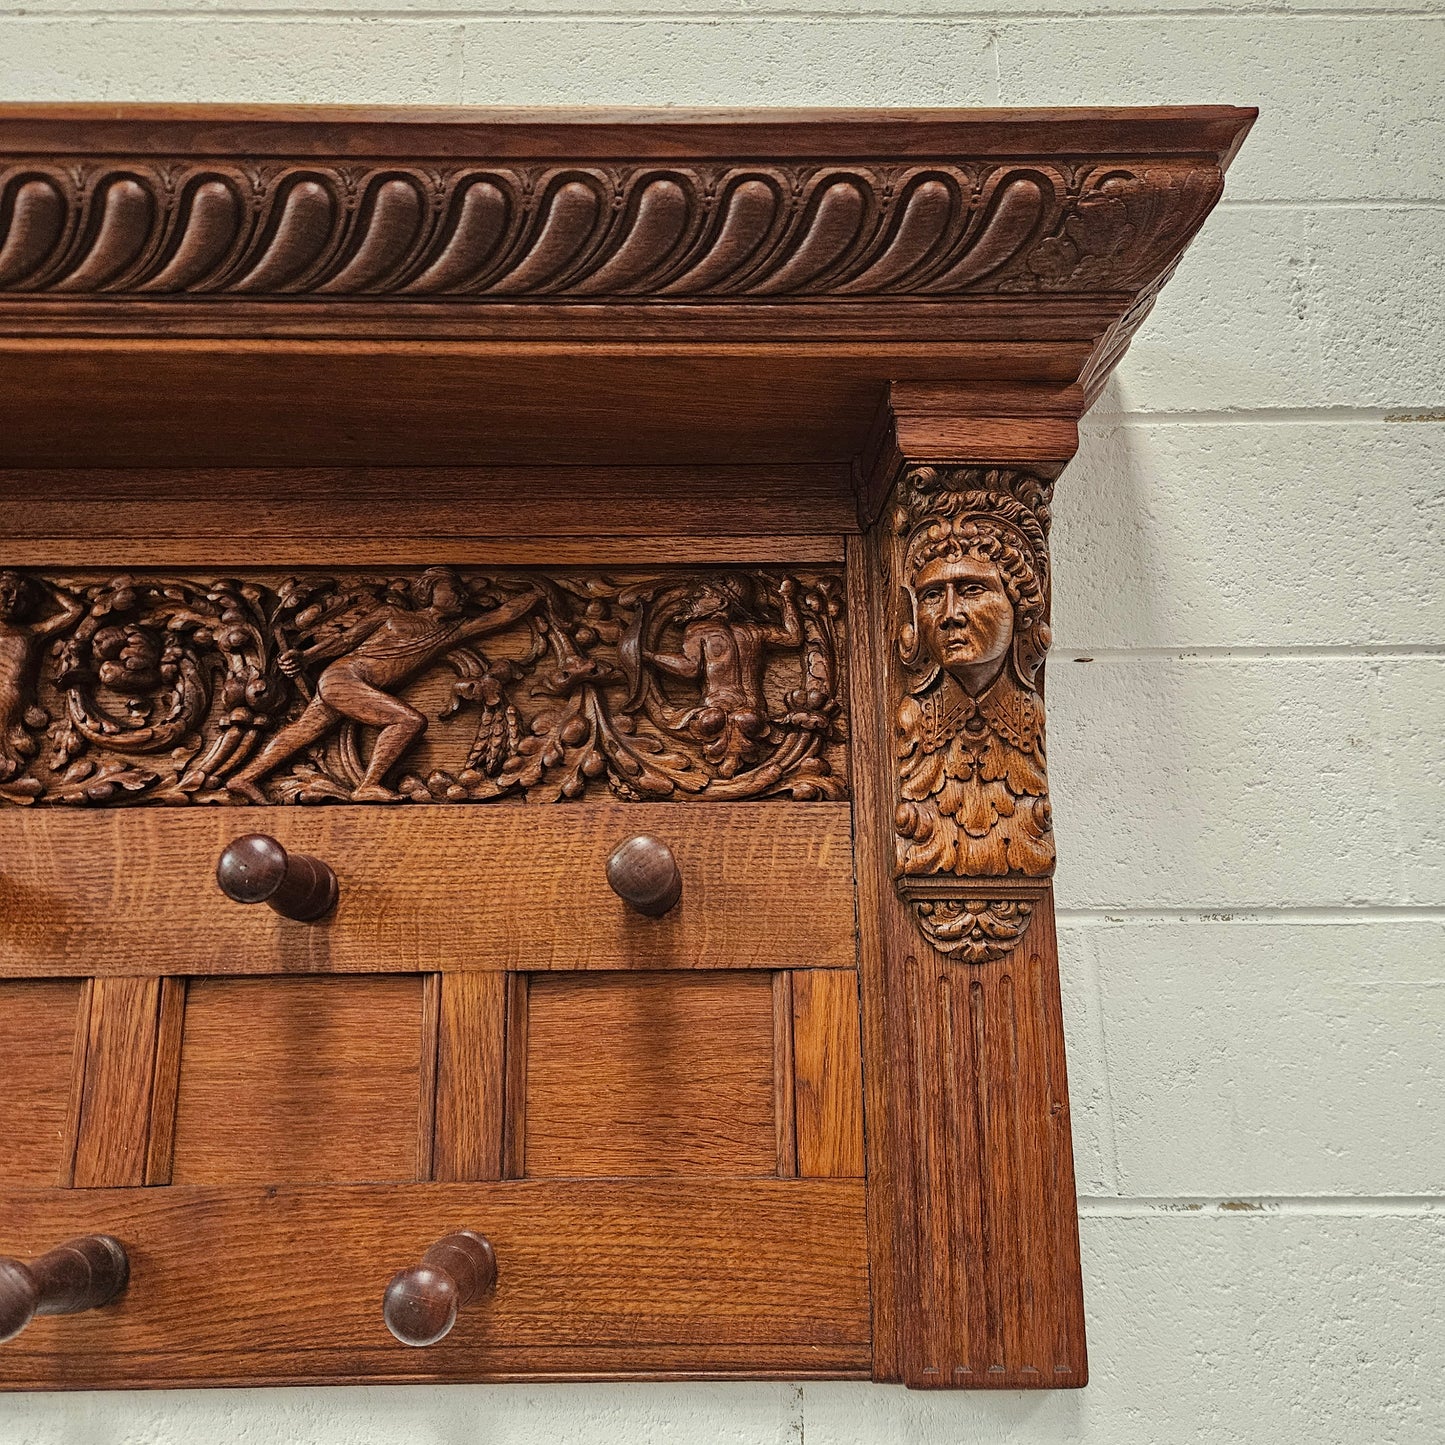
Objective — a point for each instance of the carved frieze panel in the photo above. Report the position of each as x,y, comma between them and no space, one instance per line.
152,226
437,685
970,555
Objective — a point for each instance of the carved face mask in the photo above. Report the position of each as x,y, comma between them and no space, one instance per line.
965,618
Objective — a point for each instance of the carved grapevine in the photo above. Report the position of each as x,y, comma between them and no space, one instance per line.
434,686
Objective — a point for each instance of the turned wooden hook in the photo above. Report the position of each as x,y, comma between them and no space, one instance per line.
645,875
81,1274
257,869
421,1303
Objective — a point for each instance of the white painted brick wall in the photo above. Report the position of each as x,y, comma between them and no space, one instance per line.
1249,773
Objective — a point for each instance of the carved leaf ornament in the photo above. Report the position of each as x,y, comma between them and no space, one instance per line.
163,689
971,555
659,233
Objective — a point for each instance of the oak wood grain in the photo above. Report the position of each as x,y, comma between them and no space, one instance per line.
114,1129
299,1079
481,551
872,842
427,889
471,1076
784,1104
501,505
647,1276
166,1081
992,1295
828,1073
658,1073
38,1024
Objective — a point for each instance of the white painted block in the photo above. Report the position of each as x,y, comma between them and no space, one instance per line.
1250,535
1350,105
733,62
1091,1120
1231,330
1278,1057
1212,1329
1414,701
1222,783
356,62
1290,308
1375,294
611,1414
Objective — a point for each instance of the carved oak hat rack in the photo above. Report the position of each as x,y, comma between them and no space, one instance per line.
688,473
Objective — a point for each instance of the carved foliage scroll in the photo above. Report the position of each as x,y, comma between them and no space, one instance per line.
155,226
435,686
970,552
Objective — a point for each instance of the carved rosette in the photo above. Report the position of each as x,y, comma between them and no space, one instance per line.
970,555
434,686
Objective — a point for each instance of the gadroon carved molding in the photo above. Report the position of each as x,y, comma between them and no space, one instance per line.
971,554
145,226
152,688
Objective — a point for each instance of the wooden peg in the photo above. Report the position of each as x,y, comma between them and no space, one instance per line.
645,875
257,869
81,1274
421,1303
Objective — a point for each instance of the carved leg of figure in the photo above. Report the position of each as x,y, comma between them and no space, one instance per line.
401,725
314,723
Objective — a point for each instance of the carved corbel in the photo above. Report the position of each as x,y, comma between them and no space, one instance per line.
973,833
986,1288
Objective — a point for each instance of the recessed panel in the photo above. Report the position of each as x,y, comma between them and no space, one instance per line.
658,1073
299,1079
37,1053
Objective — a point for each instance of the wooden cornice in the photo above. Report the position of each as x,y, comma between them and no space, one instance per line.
1024,245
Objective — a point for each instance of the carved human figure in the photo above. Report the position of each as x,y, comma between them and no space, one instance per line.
972,780
376,654
727,650
21,630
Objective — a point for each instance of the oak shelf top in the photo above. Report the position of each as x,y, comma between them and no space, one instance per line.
626,131
291,284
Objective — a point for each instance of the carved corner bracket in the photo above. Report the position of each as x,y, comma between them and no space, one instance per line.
973,832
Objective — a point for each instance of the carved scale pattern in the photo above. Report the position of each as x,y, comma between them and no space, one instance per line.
293,229
151,688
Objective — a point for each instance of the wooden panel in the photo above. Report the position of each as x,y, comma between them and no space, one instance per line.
39,1021
609,552
114,1132
992,1295
784,1110
423,888
243,1285
299,1079
251,505
650,1074
166,1081
872,761
828,1073
471,1068
406,404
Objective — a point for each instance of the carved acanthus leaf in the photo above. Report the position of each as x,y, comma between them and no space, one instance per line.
976,930
434,686
970,555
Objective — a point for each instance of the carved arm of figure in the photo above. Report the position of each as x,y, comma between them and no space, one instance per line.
790,632
687,663
336,645
500,616
72,609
